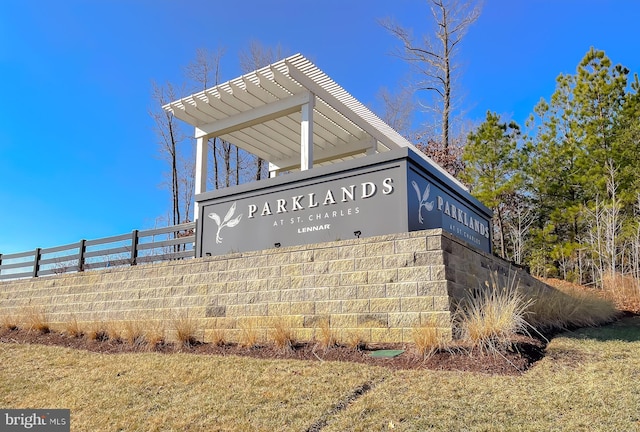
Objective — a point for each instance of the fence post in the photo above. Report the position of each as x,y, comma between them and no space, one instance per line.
82,247
134,247
0,264
36,262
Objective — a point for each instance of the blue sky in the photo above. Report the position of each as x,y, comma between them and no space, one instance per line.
78,154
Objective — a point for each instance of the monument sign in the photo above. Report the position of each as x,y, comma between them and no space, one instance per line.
347,173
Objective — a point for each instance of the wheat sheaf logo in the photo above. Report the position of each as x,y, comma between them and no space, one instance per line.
422,199
226,222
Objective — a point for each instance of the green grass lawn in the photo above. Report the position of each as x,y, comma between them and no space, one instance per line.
589,381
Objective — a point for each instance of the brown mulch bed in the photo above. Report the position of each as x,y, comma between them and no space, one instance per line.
514,360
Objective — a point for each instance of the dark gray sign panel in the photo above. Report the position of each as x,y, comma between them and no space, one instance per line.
433,206
345,205
375,195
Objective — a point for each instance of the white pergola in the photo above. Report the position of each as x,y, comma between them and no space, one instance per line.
290,114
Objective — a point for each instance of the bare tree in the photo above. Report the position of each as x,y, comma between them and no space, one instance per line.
204,72
255,57
434,57
169,139
397,109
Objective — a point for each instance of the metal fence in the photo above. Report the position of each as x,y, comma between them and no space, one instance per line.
161,244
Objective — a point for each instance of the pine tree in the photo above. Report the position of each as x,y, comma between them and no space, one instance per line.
492,169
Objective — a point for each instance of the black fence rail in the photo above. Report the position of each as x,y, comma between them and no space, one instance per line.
161,244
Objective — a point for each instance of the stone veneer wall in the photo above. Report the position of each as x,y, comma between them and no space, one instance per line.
379,288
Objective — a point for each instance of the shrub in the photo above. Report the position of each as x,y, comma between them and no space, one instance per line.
429,338
568,306
154,333
96,331
490,319
248,333
36,319
133,333
282,334
185,329
327,337
355,339
10,322
217,333
72,328
624,291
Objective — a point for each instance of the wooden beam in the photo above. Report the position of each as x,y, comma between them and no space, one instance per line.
254,116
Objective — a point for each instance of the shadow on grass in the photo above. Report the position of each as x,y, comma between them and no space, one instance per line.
627,329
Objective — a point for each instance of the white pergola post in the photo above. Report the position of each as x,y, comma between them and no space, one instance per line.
373,149
273,170
202,151
306,134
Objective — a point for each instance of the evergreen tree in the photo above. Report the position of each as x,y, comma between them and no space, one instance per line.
493,170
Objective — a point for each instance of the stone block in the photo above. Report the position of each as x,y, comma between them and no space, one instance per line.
357,306
237,310
293,295
441,319
384,305
269,272
218,287
271,296
228,276
402,289
368,263
326,254
303,256
257,285
404,319
292,269
328,307
441,303
437,288
343,292
257,309
237,263
429,258
216,311
280,283
416,304
326,280
341,266
315,294
382,248
410,245
217,265
370,291
386,335
351,251
237,286
303,308
249,273
302,281
382,276
353,278
227,298
344,321
407,274
373,320
279,309
278,259
395,261
315,320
